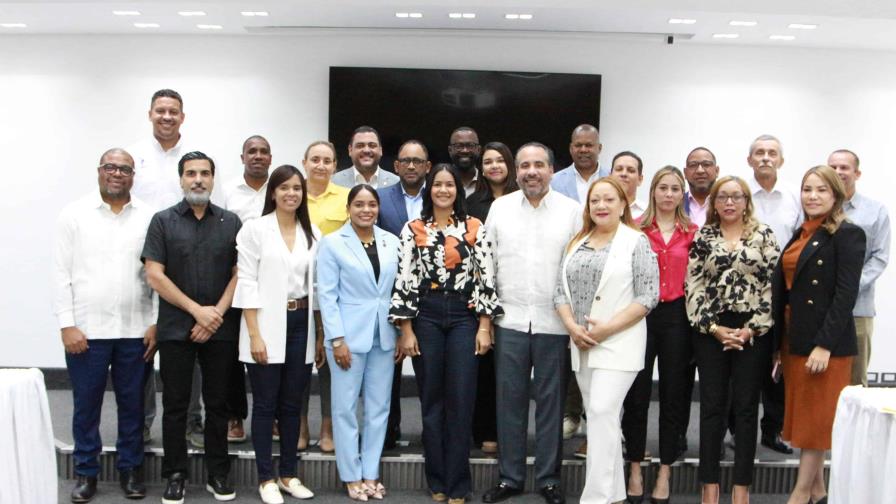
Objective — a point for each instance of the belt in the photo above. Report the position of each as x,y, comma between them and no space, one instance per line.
295,304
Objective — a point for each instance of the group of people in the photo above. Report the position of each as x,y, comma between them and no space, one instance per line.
502,281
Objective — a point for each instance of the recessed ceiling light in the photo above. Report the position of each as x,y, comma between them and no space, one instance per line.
455,15
146,25
254,13
402,14
725,35
191,13
126,13
13,25
781,37
469,15
682,21
742,23
209,26
801,26
416,15
525,17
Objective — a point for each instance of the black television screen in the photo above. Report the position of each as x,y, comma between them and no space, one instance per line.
510,107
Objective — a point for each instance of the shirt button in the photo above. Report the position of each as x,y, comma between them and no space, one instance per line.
810,302
814,282
597,298
815,244
820,262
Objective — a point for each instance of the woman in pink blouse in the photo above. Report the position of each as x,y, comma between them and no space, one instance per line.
668,338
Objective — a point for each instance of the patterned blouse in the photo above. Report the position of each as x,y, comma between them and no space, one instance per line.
738,281
457,258
586,267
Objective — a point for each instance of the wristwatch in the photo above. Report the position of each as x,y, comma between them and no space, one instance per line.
337,342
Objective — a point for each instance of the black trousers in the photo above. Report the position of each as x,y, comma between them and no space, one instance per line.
741,372
176,361
237,405
485,423
669,342
393,425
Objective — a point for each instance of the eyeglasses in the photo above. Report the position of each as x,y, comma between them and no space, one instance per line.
110,168
737,198
407,161
464,146
705,164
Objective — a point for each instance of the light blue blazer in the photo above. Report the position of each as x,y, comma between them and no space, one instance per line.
351,301
564,181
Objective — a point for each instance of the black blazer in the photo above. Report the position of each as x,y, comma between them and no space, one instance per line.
825,286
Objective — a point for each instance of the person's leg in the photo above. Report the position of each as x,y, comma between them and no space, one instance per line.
176,361
265,382
149,394
606,389
714,367
304,435
326,420
215,362
87,373
747,376
393,429
378,370
485,428
194,411
513,366
429,328
549,354
237,404
127,355
807,474
634,414
295,376
573,409
864,328
347,385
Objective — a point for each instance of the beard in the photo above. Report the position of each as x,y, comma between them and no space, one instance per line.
197,199
465,163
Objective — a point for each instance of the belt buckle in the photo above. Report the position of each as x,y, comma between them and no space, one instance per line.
292,305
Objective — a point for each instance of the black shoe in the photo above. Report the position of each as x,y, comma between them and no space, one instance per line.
553,494
682,446
502,491
132,484
633,499
85,489
218,486
174,491
823,500
774,442
654,500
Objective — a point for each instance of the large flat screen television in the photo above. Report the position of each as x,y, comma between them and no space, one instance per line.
511,107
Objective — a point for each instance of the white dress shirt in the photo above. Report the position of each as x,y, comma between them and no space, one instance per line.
100,286
528,246
242,200
413,205
779,209
155,173
297,273
637,208
582,185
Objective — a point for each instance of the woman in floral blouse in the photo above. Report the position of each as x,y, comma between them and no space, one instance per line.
729,304
444,299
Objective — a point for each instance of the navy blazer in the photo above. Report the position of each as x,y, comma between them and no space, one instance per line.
824,291
393,214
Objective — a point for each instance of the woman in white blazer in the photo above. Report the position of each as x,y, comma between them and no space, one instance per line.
608,282
356,269
275,289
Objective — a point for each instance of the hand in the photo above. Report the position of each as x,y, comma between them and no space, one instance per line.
399,357
776,358
208,317
320,355
149,341
598,330
408,344
74,340
728,337
580,338
818,360
746,335
258,350
483,341
343,356
200,334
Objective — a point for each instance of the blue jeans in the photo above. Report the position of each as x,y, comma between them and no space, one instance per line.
88,372
277,391
446,376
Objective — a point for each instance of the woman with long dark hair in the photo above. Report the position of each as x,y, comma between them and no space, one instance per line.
275,289
444,300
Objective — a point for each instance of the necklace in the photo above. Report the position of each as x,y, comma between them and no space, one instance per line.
369,244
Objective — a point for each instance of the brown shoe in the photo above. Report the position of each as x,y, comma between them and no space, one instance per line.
582,451
457,501
439,497
235,431
489,447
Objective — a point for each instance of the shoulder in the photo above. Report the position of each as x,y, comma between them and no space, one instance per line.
227,215
564,202
562,174
342,176
389,176
849,231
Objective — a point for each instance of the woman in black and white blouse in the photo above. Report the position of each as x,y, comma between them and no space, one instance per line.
729,302
445,298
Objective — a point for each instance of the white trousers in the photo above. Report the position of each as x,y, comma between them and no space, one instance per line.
603,391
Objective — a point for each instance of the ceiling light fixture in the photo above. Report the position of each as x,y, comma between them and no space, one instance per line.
191,13
126,13
455,15
209,26
742,23
725,35
682,21
524,17
146,25
469,15
13,25
416,15
254,13
781,37
801,26
402,15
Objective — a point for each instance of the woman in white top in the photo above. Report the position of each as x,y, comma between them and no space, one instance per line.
275,290
608,282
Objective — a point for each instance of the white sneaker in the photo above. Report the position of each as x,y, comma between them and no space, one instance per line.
570,427
270,494
295,488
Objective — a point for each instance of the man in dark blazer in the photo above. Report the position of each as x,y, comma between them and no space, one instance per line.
400,203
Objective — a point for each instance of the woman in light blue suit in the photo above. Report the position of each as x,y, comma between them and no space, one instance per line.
356,268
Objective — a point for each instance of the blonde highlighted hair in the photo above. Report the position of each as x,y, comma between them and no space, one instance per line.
588,224
829,176
681,217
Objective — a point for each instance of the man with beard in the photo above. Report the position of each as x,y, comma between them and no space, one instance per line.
365,150
190,257
464,150
105,313
701,171
574,180
530,229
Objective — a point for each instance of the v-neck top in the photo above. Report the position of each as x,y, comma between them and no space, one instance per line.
297,276
791,256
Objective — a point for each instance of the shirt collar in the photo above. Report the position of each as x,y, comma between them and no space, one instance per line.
692,199
419,193
183,207
158,146
756,188
361,179
544,203
97,202
854,202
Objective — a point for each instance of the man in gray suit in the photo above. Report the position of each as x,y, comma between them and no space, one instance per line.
365,150
574,180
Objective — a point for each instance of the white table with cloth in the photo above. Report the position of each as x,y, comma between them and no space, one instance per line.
863,450
27,450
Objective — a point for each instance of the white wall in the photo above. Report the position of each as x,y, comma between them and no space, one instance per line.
68,98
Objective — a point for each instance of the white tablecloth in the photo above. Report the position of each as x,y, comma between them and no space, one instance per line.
863,451
27,452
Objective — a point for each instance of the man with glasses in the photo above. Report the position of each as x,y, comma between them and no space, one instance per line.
701,171
399,204
106,317
365,150
464,150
